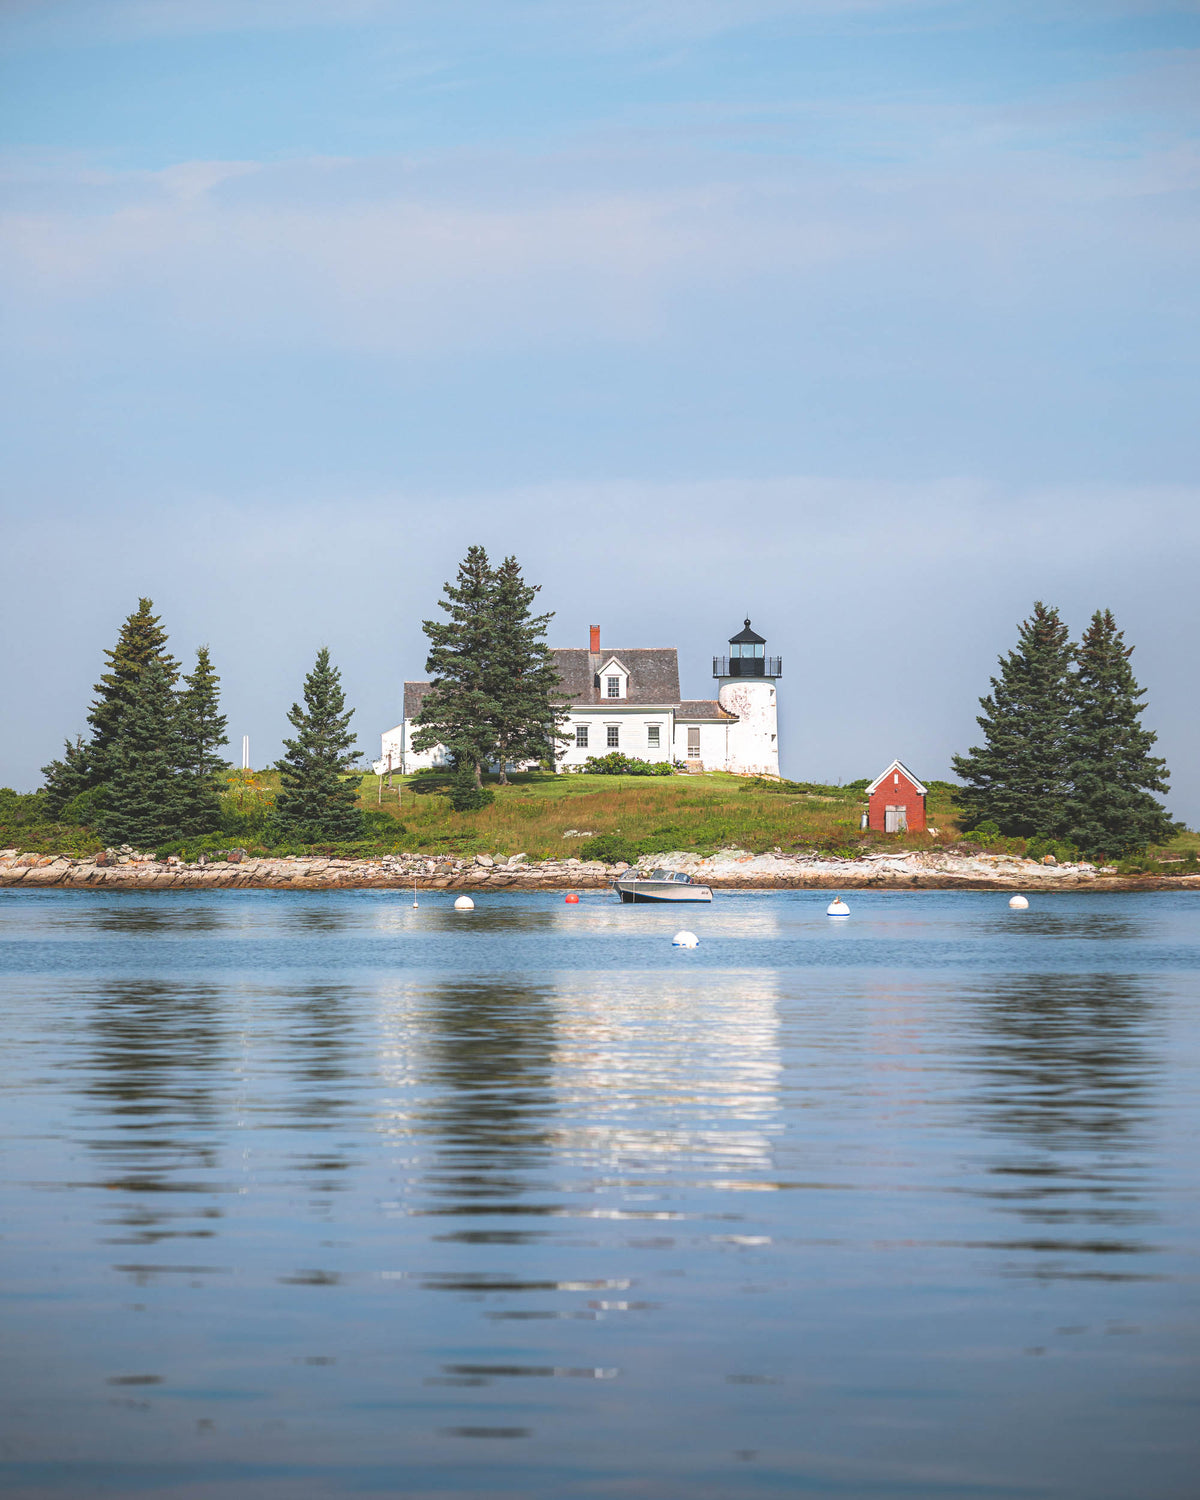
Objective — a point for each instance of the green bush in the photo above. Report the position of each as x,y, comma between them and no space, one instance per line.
465,796
616,764
984,833
1038,847
611,848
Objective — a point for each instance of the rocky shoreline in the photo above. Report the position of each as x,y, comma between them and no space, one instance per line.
730,869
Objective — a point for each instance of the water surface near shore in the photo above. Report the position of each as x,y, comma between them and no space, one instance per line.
315,1194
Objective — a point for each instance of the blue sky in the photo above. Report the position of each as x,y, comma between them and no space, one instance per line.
876,321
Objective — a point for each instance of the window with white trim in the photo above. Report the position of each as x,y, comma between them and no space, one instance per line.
613,687
614,736
651,736
581,736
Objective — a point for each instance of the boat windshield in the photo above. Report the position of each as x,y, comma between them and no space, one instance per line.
677,876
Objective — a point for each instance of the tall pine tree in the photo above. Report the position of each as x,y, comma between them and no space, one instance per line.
1017,778
521,678
316,802
144,799
201,727
459,711
142,640
1110,810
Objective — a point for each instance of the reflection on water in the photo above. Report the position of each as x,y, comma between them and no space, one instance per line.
326,1221
656,1076
1065,1072
156,1052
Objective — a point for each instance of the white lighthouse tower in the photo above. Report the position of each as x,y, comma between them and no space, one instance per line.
746,681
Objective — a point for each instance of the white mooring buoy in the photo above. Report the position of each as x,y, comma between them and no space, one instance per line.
1018,903
837,908
684,940
464,903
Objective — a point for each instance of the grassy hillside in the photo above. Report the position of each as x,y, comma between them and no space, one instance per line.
546,816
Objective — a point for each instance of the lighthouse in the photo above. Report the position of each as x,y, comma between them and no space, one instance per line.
746,681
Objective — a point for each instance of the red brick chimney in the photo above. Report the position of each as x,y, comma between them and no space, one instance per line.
595,646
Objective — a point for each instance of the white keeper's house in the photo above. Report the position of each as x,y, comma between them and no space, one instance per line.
627,698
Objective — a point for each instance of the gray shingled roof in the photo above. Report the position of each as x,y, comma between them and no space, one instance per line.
653,673
653,678
702,708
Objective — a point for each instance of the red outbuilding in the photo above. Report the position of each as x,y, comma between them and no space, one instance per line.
896,801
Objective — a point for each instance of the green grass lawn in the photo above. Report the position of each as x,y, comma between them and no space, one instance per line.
549,816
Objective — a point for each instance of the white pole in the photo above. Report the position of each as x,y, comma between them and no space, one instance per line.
245,752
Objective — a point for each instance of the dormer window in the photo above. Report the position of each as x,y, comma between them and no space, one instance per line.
612,680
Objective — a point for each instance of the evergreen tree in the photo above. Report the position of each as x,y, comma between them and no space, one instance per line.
201,732
466,795
202,726
144,801
316,803
1110,811
66,778
521,679
1017,778
459,710
142,640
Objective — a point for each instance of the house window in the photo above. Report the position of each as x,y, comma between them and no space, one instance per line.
614,687
651,736
614,736
581,742
694,743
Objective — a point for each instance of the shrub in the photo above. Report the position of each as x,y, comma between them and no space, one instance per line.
1038,847
984,833
83,809
465,796
611,848
616,764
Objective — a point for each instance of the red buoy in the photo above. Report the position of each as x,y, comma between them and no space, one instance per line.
572,899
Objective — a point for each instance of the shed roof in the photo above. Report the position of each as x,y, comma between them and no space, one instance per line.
896,765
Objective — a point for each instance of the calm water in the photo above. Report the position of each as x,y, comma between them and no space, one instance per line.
312,1194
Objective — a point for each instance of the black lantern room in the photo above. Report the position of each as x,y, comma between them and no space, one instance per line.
747,657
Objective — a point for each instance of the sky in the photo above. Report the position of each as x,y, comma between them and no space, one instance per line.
874,320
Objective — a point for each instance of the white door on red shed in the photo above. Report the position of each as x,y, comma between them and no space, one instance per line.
895,819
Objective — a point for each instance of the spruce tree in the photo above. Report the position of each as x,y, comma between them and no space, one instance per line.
144,801
201,732
142,640
202,726
1017,777
521,677
459,710
66,778
1110,811
316,802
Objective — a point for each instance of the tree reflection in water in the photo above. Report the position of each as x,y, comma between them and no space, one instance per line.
154,1070
489,1068
1064,1069
315,1032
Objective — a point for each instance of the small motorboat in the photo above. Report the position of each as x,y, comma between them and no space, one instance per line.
659,885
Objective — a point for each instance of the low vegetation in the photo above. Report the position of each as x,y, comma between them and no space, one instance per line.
546,816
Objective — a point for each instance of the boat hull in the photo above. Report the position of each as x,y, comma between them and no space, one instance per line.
653,891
